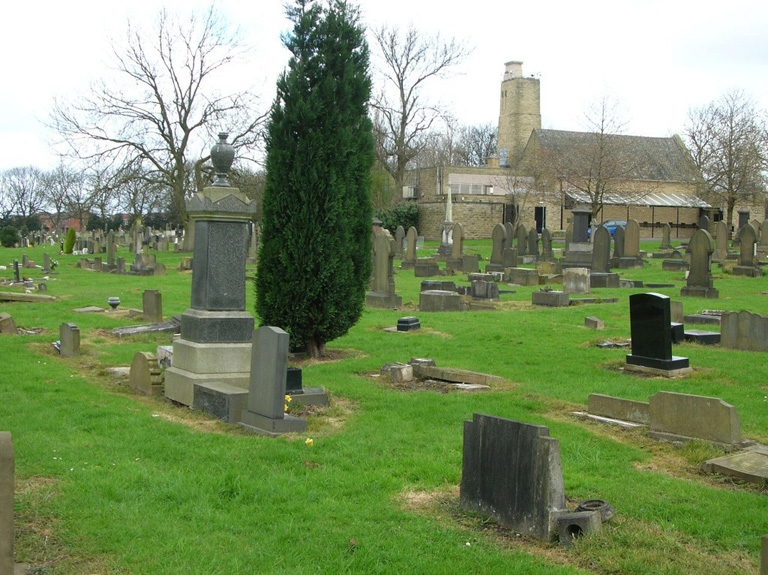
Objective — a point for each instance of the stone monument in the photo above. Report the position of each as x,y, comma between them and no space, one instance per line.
650,324
265,414
500,241
382,294
699,283
215,340
579,250
747,253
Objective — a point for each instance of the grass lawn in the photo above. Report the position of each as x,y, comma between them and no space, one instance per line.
109,481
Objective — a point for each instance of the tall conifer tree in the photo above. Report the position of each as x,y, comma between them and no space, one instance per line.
315,253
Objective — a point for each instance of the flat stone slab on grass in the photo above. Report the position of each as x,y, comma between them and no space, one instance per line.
28,297
455,375
89,309
748,465
702,337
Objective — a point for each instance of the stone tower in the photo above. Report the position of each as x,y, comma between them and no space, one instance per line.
519,112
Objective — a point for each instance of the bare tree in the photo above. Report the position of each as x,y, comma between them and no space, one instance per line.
24,185
402,116
476,144
138,194
598,164
162,105
729,144
57,184
7,202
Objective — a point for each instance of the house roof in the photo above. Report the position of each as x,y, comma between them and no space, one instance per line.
657,159
651,199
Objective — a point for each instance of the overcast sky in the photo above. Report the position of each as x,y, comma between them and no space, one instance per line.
657,58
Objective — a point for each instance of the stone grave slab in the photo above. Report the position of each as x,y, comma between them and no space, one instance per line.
223,401
682,417
550,298
454,375
7,325
702,337
619,408
439,300
511,472
750,465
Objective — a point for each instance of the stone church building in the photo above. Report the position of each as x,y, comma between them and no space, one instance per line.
658,183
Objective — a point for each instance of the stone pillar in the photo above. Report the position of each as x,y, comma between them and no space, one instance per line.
7,468
111,250
266,396
69,340
16,274
216,331
152,305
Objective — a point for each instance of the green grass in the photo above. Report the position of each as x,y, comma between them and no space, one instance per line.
112,482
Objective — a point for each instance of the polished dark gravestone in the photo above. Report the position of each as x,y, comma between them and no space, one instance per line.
649,317
511,472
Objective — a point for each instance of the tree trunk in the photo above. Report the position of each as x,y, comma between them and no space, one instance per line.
316,347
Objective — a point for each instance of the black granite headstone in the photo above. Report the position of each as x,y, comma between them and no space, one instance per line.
408,323
650,321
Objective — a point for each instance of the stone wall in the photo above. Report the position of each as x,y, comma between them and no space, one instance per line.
477,218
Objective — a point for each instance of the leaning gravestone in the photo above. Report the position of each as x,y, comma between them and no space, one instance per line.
699,283
266,393
69,340
650,324
7,472
511,472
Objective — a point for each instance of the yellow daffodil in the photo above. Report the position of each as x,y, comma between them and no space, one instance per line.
309,442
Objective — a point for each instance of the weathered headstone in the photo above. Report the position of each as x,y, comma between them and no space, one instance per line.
546,245
500,242
16,274
568,236
7,325
650,325
699,283
511,472
510,229
457,249
679,416
7,478
747,251
411,237
744,330
601,250
631,257
382,294
46,263
721,241
146,376
593,323
216,330
576,280
399,241
704,222
266,393
532,248
666,233
69,340
578,247
111,249
439,300
152,305
521,237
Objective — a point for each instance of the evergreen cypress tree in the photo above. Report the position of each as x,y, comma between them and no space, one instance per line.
315,250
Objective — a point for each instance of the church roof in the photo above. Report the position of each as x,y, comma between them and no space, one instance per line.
658,159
